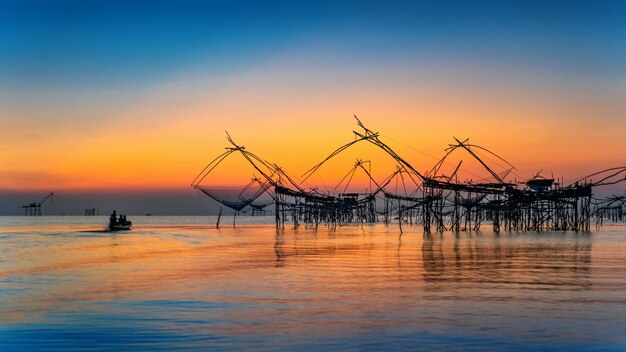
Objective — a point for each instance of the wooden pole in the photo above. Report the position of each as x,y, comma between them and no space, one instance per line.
219,216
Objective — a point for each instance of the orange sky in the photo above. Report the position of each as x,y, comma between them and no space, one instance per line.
164,136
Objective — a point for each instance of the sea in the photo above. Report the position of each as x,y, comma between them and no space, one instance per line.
180,283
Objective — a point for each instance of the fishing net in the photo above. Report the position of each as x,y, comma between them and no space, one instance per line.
238,197
260,205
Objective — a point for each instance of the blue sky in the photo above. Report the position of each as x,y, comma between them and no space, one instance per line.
59,44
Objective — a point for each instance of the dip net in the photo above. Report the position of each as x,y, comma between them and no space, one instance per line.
237,197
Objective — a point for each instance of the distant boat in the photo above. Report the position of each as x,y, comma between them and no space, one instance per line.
120,227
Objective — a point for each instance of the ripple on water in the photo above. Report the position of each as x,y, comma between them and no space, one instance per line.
176,284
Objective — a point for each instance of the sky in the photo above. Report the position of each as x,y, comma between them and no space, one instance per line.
106,100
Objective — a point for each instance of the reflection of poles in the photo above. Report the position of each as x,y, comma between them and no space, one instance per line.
399,246
279,241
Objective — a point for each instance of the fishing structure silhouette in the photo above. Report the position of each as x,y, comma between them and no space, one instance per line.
436,201
34,209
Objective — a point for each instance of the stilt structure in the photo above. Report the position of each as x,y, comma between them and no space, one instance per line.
51,200
435,200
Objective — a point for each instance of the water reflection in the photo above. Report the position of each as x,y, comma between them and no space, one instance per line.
279,242
307,243
342,289
556,260
527,260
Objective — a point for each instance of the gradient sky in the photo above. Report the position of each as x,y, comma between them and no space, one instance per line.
101,95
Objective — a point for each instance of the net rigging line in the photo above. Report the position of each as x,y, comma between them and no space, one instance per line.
371,137
446,162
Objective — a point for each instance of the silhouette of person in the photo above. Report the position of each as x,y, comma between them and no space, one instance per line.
126,221
113,218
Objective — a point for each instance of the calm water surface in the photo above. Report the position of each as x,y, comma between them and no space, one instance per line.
177,283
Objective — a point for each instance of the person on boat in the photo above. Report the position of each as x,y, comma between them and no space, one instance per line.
113,218
122,220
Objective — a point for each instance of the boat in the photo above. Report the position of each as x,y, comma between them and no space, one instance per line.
120,227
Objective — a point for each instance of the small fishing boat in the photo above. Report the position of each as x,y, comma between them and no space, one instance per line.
120,227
